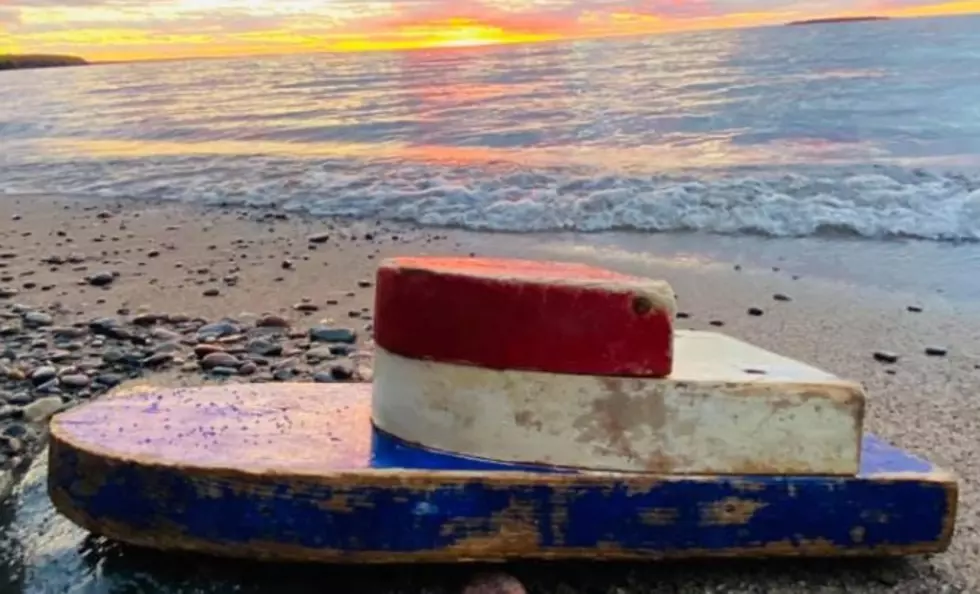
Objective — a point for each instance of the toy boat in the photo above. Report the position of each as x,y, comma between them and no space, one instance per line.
474,454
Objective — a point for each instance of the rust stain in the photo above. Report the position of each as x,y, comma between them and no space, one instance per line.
613,418
526,419
729,511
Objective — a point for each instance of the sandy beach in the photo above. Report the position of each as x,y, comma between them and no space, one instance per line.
289,289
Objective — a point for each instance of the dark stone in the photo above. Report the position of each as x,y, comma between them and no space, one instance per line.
755,311
213,292
683,315
101,279
158,360
781,297
914,309
716,323
43,374
318,238
264,348
935,351
272,321
341,372
885,357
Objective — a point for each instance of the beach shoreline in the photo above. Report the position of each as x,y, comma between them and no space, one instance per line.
69,263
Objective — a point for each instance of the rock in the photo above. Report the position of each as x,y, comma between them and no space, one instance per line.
341,372
248,368
203,350
318,238
717,323
218,329
220,359
306,307
327,334
318,354
101,279
7,292
43,374
36,319
272,321
323,377
364,284
755,311
159,359
42,409
6,485
109,327
914,309
147,319
265,348
781,297
935,351
213,292
287,264
494,583
225,371
683,315
885,357
75,380
109,380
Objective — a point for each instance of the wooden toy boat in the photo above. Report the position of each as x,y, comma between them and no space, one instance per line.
447,457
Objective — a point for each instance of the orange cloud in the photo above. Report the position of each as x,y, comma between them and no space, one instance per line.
153,29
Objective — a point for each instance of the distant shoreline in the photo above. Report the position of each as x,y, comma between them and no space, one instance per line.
857,19
26,61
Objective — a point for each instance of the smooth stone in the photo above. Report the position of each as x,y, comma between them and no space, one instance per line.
218,329
226,371
108,379
327,334
6,485
158,359
203,350
101,279
42,409
323,377
319,354
341,372
75,380
885,357
220,359
43,374
272,321
264,348
37,318
936,351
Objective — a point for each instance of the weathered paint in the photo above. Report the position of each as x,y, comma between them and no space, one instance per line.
516,314
293,472
728,408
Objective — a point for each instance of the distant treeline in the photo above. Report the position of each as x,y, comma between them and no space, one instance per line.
13,62
854,19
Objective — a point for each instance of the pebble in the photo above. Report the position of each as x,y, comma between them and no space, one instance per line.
43,374
914,309
220,359
935,351
318,238
272,321
755,311
885,357
42,409
327,334
781,297
6,485
75,380
37,319
101,279
494,583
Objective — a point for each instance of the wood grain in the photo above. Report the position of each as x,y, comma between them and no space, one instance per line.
295,472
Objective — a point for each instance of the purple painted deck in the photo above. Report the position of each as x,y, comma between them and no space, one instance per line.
295,472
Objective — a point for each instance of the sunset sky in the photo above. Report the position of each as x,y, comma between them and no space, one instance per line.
154,29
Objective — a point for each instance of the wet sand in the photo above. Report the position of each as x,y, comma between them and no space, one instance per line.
161,260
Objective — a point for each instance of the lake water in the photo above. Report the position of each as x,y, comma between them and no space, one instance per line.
870,130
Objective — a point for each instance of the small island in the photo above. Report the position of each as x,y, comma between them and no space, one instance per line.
21,61
853,19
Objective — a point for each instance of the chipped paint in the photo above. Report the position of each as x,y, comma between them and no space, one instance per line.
710,416
383,500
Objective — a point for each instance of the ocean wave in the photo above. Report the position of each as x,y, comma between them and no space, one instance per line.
875,203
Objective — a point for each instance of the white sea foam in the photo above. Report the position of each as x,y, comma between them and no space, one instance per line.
877,203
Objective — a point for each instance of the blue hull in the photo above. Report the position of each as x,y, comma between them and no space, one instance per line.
406,504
